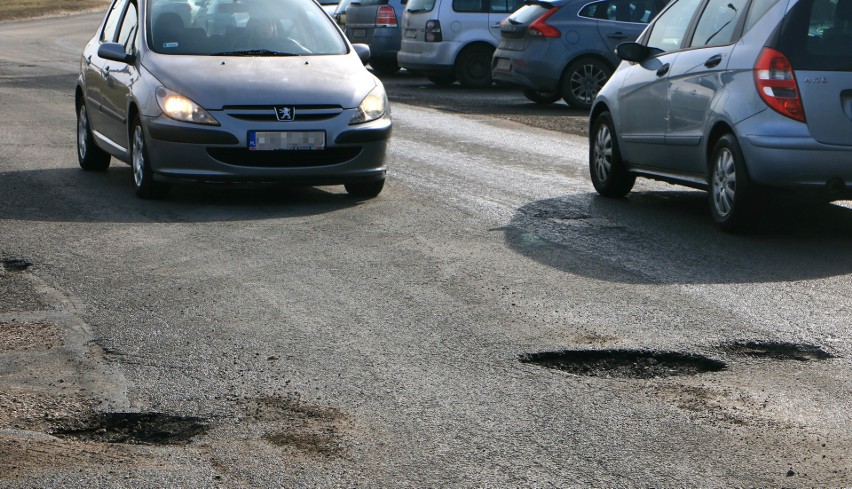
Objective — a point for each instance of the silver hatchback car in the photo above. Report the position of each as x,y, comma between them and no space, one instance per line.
731,96
279,95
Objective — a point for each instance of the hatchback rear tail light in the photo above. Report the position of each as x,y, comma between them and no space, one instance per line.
385,16
433,31
776,84
540,28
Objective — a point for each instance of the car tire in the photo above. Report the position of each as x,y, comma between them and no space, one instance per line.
365,190
90,156
729,185
473,66
582,81
609,176
140,163
384,66
543,98
442,80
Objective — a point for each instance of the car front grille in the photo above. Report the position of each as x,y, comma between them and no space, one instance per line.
283,159
266,113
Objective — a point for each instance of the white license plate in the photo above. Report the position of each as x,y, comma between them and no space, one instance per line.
411,33
503,64
286,140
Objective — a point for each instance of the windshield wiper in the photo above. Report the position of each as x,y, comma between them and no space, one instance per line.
253,52
415,10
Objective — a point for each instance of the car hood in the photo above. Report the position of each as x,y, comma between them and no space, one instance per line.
214,82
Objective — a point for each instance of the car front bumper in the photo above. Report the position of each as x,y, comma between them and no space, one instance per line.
182,151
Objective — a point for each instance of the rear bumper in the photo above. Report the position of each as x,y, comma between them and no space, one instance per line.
797,162
430,58
384,42
536,71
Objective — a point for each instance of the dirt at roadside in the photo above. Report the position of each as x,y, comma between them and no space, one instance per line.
26,9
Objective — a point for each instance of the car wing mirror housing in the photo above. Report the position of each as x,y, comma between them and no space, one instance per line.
114,51
633,52
363,51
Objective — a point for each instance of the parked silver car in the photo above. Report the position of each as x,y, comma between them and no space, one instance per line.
731,96
449,40
285,98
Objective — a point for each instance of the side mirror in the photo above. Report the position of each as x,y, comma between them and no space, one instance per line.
363,51
633,52
115,52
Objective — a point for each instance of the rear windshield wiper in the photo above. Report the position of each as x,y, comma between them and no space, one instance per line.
253,52
415,10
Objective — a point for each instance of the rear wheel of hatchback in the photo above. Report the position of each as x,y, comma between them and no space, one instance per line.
582,81
729,186
473,66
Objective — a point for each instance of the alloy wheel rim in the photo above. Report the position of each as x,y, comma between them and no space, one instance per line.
82,131
603,153
724,182
587,82
138,156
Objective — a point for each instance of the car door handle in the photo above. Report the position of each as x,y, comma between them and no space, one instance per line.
617,35
663,69
713,61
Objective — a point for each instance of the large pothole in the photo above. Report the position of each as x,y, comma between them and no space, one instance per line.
625,364
777,350
134,428
14,264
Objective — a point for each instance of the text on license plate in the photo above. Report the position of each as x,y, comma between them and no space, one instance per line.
411,33
285,140
503,64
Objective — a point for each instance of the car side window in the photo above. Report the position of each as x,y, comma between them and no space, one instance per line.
127,33
636,11
114,16
468,6
505,6
668,31
718,23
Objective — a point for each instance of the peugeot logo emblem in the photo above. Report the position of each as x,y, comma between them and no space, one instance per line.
285,114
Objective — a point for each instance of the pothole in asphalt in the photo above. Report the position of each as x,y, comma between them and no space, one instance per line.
625,364
562,215
777,350
15,264
134,428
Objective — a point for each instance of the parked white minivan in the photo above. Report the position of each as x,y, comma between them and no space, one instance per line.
449,40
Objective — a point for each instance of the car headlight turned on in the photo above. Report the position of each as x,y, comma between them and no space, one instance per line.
374,106
180,108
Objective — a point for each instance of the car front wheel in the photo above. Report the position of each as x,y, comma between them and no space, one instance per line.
609,176
90,156
143,176
730,186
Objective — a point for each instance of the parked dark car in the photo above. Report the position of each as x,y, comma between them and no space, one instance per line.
565,49
376,24
731,96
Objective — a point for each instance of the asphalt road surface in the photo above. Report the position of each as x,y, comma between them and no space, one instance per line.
486,321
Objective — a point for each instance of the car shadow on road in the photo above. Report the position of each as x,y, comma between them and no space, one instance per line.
74,195
668,238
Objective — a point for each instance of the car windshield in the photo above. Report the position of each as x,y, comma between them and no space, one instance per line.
243,28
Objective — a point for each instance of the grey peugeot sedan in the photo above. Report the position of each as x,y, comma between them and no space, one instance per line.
279,95
731,96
